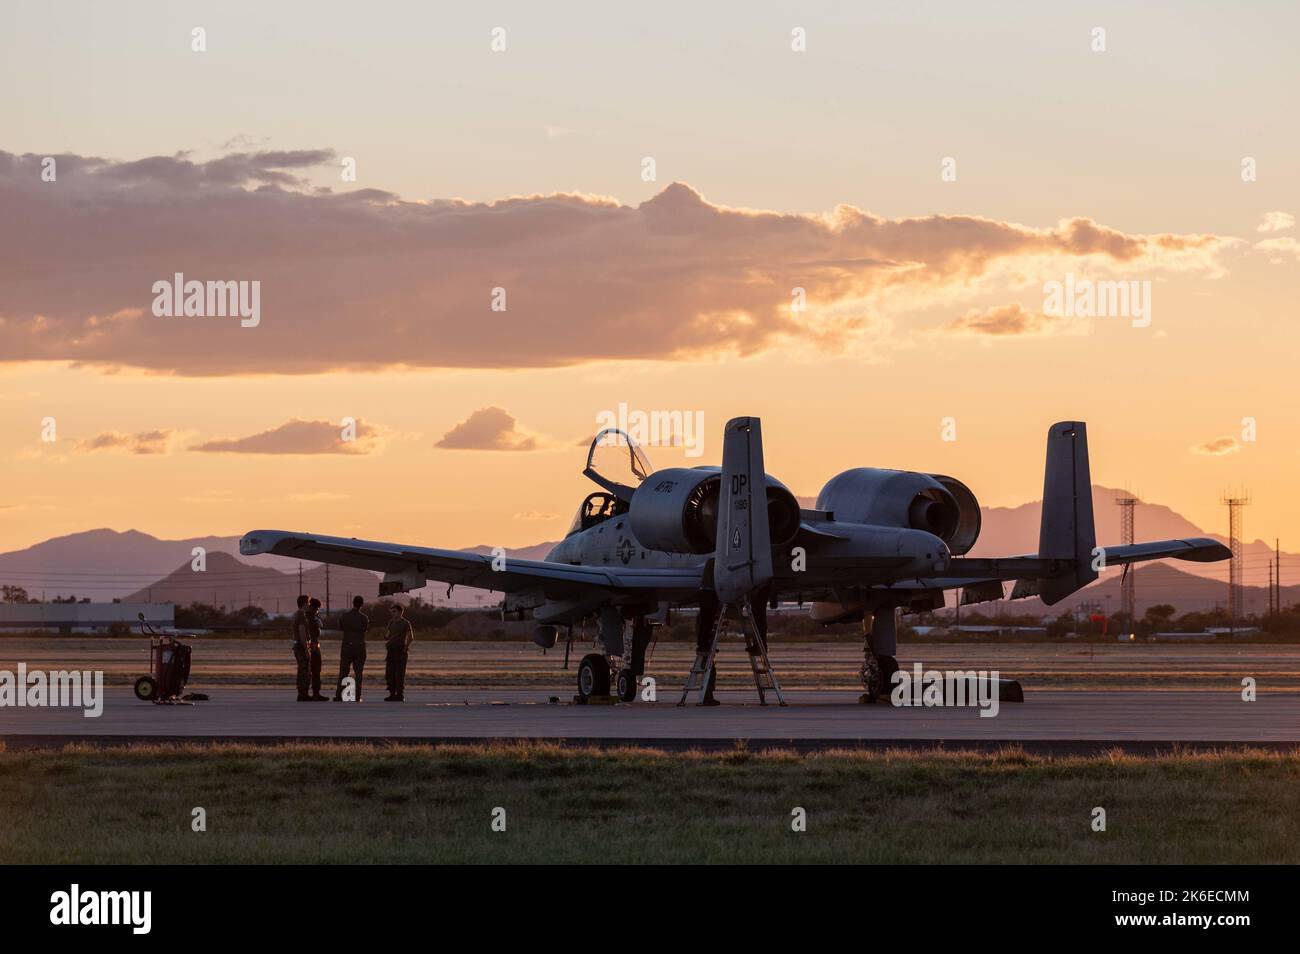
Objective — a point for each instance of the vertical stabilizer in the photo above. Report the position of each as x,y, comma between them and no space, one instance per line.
1067,531
742,558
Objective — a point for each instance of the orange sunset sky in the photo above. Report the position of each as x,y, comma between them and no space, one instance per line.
1170,157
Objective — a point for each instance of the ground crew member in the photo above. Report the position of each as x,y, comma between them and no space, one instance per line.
704,632
400,637
301,654
704,640
313,647
354,624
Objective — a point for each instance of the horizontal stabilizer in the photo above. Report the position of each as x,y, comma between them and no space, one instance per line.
1197,549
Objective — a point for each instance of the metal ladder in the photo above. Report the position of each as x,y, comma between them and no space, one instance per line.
764,678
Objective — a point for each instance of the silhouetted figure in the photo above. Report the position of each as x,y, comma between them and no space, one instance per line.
704,632
301,652
352,654
704,639
400,637
313,647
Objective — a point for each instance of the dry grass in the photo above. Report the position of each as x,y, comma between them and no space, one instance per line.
363,803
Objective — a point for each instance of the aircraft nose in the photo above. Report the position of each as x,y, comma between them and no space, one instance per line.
942,557
931,553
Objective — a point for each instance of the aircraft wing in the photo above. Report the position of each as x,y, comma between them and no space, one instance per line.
982,578
1198,549
408,567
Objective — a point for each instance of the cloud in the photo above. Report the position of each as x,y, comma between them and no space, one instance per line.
143,442
1217,447
1279,248
536,515
1012,320
301,437
1276,222
489,428
319,496
365,280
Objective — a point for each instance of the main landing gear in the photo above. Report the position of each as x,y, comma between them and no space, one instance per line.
621,664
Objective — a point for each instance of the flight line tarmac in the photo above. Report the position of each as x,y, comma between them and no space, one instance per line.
1055,720
1078,698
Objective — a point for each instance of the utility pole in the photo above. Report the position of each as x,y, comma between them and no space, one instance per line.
1235,505
327,589
1277,575
300,578
1128,586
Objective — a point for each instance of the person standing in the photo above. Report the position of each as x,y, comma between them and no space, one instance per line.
704,633
400,637
352,654
301,652
313,647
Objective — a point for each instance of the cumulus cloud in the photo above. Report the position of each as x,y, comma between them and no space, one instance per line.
1279,249
489,428
142,442
1276,222
1217,447
364,280
301,437
1013,320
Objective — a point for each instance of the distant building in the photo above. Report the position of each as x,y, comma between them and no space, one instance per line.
83,617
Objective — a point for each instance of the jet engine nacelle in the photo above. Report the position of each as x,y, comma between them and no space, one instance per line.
676,510
934,503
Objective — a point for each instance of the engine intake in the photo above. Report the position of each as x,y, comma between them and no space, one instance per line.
676,510
934,503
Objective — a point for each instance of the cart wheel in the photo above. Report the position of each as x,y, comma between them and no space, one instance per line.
146,689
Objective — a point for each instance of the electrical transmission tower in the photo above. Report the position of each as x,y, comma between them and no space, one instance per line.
1235,505
1128,585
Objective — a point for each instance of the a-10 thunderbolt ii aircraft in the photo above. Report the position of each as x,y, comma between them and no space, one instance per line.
733,539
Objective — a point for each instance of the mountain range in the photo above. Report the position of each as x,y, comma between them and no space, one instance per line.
106,564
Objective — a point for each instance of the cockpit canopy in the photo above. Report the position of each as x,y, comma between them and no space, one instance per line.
616,463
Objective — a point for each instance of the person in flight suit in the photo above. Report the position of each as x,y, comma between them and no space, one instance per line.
352,655
313,647
301,652
400,637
